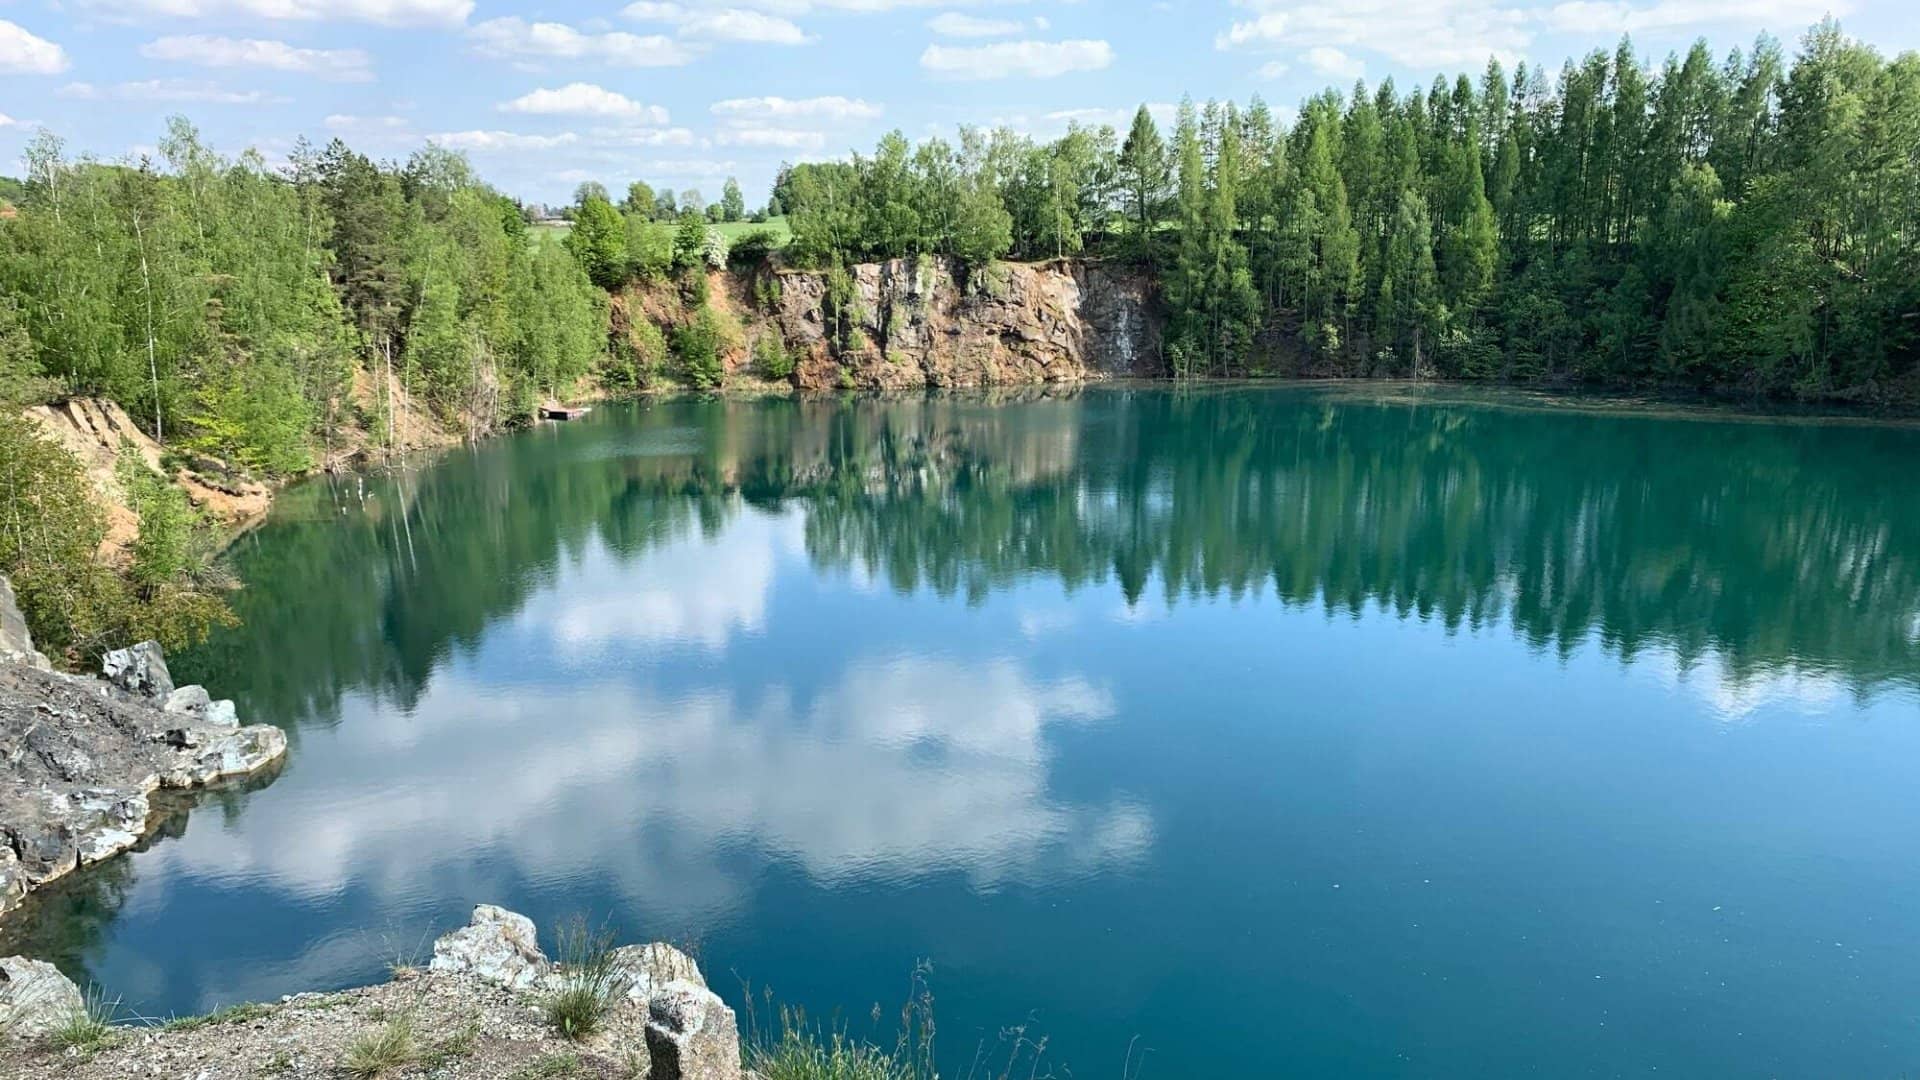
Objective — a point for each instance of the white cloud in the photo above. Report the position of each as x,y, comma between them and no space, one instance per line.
584,99
787,123
1162,113
1272,69
955,24
381,12
764,110
341,65
723,24
746,26
188,91
630,137
662,9
689,168
8,121
514,38
1432,34
366,125
1052,125
1615,17
1270,29
1016,59
1328,60
25,53
778,138
485,141
1453,34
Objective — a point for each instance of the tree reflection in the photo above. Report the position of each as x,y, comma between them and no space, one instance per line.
1763,545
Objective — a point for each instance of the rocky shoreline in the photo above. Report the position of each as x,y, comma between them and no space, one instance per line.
82,757
478,1009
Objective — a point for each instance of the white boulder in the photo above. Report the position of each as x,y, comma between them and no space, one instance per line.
497,946
35,998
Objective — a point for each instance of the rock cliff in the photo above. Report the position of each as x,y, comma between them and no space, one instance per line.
80,757
933,322
930,322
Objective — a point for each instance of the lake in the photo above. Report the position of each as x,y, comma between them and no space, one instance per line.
1305,730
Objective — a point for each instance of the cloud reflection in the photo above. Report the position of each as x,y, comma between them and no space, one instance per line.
906,767
699,592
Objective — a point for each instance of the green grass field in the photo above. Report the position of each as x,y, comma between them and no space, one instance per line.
734,230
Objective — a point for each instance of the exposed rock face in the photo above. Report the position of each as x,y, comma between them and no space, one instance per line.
140,670
691,1034
96,430
649,967
497,946
16,641
932,322
79,758
35,998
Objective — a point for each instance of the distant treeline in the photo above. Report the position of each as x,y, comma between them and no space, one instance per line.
254,316
1744,225
227,304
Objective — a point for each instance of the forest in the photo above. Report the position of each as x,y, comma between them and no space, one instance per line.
1746,225
1741,224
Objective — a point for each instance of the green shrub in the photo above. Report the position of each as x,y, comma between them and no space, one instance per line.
690,243
753,248
697,347
50,528
771,357
21,382
994,280
767,291
177,590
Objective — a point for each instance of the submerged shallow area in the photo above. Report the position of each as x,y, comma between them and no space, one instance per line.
1321,730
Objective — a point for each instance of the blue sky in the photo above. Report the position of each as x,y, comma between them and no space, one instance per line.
685,93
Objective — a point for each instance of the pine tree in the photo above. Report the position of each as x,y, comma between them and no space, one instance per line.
1143,177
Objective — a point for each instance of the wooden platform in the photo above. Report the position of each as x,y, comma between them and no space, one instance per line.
564,412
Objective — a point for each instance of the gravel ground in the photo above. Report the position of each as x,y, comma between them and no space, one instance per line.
460,1028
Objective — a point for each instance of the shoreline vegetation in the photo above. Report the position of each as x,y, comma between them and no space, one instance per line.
1737,227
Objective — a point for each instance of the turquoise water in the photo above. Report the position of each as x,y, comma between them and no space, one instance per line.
1313,731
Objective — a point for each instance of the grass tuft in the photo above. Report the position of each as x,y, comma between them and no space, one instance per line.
591,983
390,1047
89,1028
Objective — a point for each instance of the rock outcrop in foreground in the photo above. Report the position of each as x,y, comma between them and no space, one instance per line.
476,1011
80,758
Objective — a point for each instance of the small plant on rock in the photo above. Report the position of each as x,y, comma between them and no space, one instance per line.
591,982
